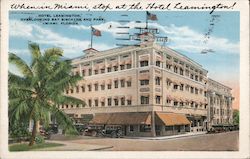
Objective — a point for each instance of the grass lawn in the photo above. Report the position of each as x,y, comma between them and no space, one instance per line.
26,147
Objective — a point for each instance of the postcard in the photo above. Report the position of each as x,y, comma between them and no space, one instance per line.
124,79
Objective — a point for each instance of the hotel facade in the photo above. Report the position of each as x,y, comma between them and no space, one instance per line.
148,90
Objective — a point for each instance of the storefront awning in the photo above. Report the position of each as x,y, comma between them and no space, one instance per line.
122,118
170,119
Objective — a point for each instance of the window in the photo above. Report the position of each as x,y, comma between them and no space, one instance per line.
168,101
72,106
122,83
129,102
103,87
116,101
168,83
196,78
109,69
168,66
157,81
71,91
109,101
175,86
168,128
128,83
144,100
83,72
196,91
96,102
67,91
131,128
175,69
115,68
90,102
122,67
128,66
116,83
77,89
201,91
192,89
192,76
175,103
102,103
89,87
96,72
187,73
103,70
187,87
109,86
145,128
143,63
181,103
200,79
96,87
158,63
144,82
181,87
181,71
67,106
62,106
122,101
83,88
90,72
158,99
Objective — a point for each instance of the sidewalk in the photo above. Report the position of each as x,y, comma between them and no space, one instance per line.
69,146
168,137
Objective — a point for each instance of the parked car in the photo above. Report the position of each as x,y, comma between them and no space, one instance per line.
92,130
113,131
81,128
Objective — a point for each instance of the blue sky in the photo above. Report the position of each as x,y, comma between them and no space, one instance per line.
184,29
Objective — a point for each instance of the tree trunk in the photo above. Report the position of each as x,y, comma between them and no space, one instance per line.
33,135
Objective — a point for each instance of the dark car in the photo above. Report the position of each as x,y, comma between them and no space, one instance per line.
113,131
80,128
92,130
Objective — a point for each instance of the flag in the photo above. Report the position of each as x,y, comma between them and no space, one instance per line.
151,16
96,32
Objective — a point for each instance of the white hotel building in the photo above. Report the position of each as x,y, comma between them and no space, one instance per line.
148,90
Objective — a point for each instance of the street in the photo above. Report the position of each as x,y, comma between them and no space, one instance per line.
207,142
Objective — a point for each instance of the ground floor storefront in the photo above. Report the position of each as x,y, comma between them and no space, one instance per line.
146,124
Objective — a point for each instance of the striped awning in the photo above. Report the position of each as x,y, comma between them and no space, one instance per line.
126,118
170,119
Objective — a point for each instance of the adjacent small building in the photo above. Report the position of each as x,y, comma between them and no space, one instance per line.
148,90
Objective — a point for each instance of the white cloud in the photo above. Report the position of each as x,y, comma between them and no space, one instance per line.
72,47
20,29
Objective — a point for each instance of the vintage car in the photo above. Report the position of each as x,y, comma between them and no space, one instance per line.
113,131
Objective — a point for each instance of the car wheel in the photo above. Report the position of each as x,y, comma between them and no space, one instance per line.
93,133
113,134
99,134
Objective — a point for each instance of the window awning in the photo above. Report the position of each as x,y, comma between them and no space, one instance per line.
127,118
170,119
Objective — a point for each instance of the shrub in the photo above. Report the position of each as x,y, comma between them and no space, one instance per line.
39,139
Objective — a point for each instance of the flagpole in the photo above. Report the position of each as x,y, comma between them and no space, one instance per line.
91,39
146,19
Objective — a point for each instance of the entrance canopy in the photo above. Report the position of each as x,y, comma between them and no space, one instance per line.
127,118
170,119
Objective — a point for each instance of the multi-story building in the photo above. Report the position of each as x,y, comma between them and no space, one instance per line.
147,89
220,103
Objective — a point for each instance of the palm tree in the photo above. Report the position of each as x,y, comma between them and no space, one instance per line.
37,93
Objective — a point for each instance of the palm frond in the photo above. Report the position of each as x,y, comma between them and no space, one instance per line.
21,65
35,52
